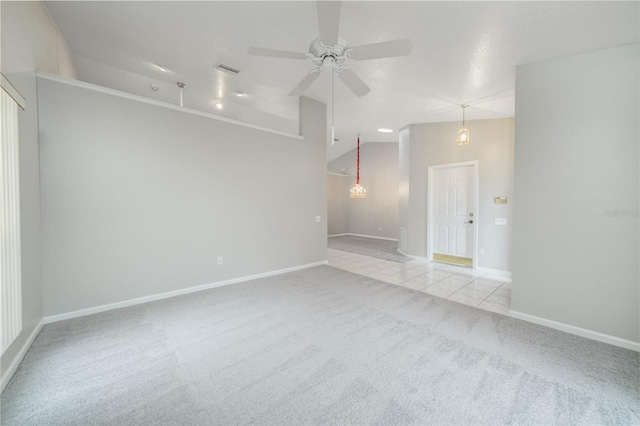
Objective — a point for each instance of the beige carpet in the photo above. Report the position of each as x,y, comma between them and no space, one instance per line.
318,346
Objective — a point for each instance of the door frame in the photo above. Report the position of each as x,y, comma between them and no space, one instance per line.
474,164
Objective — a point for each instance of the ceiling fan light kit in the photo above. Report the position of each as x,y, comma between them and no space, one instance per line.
464,134
331,51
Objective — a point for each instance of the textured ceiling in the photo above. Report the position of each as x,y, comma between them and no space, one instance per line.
463,52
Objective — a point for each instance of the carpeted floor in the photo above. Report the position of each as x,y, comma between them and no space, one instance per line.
374,247
317,346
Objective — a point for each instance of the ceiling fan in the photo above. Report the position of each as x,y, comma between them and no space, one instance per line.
330,51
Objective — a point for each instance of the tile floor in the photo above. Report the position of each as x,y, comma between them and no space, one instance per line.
482,290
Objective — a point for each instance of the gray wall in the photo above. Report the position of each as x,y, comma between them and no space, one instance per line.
139,199
377,214
424,145
30,41
338,203
404,178
576,159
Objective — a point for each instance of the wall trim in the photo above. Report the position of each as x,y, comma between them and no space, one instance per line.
402,252
13,93
582,332
138,98
372,236
159,296
349,234
8,374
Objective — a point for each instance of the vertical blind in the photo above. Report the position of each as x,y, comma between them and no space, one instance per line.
10,264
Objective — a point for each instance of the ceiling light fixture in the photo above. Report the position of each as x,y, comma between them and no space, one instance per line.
383,130
239,94
181,86
358,192
218,105
464,134
162,68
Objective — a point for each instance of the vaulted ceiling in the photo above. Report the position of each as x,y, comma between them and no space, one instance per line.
463,52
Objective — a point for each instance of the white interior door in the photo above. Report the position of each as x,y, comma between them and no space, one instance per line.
453,215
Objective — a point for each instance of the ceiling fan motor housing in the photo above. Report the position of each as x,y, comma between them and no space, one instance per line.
321,54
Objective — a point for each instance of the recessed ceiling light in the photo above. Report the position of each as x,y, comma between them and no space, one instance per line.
383,130
218,105
239,94
162,68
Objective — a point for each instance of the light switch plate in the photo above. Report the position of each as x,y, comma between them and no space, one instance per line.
318,218
501,220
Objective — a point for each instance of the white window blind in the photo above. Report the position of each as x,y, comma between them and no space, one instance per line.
10,263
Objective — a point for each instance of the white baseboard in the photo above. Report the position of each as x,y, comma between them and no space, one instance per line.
8,374
582,332
408,255
493,271
160,296
372,236
349,234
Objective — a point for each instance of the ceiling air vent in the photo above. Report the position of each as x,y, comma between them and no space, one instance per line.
227,68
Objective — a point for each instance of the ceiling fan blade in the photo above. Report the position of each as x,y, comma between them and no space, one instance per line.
354,82
385,49
276,53
329,21
304,84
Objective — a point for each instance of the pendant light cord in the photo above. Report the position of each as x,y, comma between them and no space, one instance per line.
333,99
358,163
464,107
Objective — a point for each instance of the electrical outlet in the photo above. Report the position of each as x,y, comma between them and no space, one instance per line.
219,260
481,250
501,220
318,218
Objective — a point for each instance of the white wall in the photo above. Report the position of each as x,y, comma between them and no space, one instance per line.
377,214
424,145
338,203
139,199
30,41
404,163
576,158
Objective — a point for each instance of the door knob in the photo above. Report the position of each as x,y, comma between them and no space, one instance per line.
471,221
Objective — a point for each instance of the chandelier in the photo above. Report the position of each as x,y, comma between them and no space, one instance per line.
358,192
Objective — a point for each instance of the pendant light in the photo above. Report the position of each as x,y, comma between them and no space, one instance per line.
358,192
181,86
464,134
